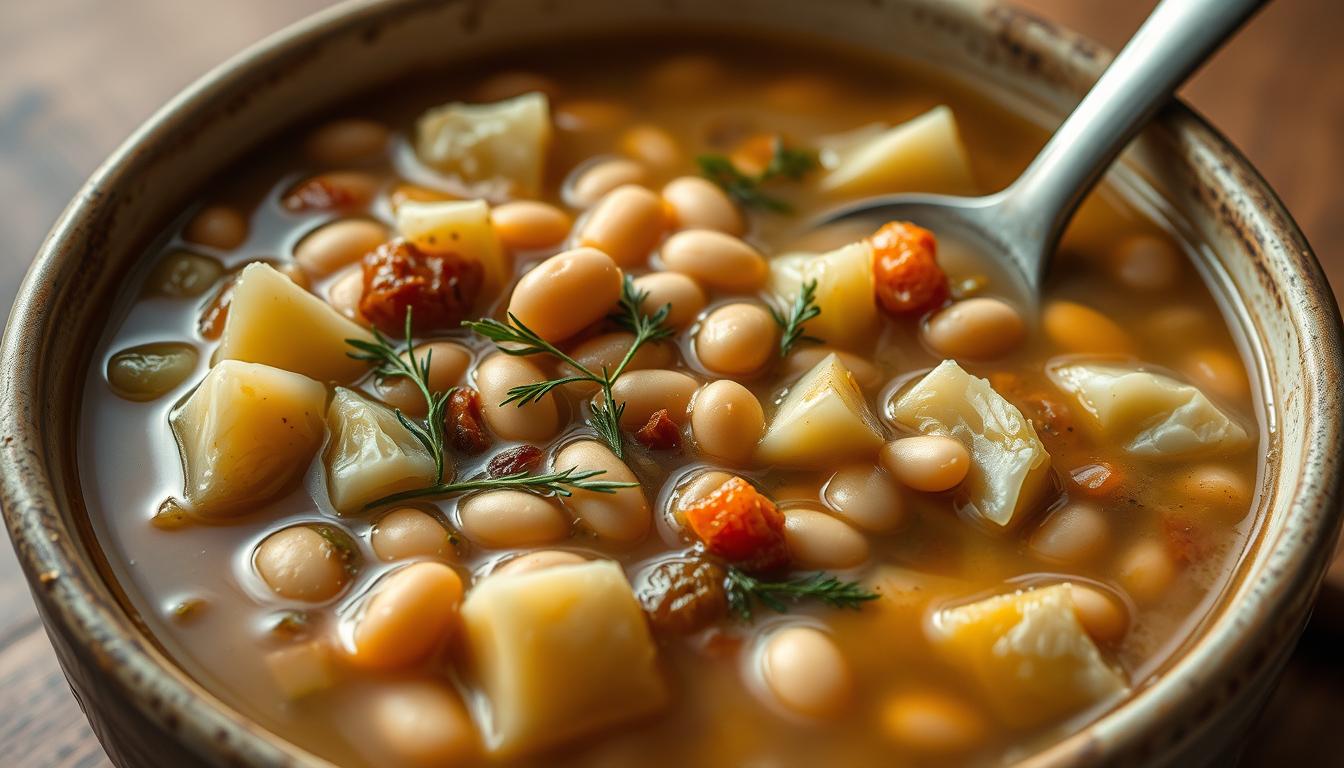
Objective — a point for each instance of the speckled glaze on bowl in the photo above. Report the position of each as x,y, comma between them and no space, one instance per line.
148,714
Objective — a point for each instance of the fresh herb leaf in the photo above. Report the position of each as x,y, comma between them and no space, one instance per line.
746,189
744,591
804,308
548,484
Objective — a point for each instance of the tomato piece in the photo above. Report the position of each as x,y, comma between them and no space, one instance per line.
905,265
465,422
439,290
524,458
328,192
682,596
660,433
739,524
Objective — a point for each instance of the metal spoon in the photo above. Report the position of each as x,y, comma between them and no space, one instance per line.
1022,224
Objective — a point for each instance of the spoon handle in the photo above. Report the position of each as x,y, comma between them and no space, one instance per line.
1172,43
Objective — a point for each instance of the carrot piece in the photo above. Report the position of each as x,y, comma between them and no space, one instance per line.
739,524
906,269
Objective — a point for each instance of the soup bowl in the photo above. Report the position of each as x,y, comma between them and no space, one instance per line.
148,712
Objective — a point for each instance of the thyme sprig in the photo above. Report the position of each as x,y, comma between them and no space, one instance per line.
562,483
744,591
804,308
515,338
388,364
745,188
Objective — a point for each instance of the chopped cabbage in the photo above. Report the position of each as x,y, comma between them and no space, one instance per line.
371,454
823,421
924,154
498,148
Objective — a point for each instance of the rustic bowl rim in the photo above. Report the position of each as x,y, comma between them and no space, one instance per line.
72,596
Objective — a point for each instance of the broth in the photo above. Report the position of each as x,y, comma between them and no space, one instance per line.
1163,557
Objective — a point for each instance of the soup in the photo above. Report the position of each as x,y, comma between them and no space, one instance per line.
518,416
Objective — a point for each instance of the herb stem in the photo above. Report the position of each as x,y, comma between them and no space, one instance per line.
744,590
549,484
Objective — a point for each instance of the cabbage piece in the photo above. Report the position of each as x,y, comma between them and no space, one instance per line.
275,322
1155,416
560,653
460,227
246,435
1028,654
371,454
1010,469
845,290
924,154
497,148
823,421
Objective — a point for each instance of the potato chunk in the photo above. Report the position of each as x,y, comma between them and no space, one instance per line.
924,154
1028,654
1155,416
1010,469
274,322
498,149
370,454
823,421
844,293
459,227
560,653
246,435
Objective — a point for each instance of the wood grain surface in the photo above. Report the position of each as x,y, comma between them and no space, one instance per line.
76,76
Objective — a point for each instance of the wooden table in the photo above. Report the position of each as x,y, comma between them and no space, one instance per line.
76,76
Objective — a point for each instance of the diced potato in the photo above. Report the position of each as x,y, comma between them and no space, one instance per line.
1028,654
246,435
274,322
844,292
499,148
371,454
461,227
1155,416
560,653
823,421
1010,469
301,669
924,154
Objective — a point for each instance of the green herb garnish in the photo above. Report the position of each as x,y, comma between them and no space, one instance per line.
746,189
743,591
547,484
804,308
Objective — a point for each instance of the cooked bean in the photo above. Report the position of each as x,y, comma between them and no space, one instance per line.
583,115
865,496
1216,490
698,203
334,246
932,723
301,564
507,85
1074,534
567,293
421,723
1073,327
684,74
495,376
183,275
407,533
607,351
596,180
622,516
525,224
821,541
805,358
736,340
1218,373
409,613
505,519
715,259
149,371
651,145
979,328
537,561
727,420
345,293
673,289
1145,263
1146,571
930,463
1177,322
804,92
647,392
347,141
1103,616
218,227
625,224
701,485
295,274
332,191
448,363
806,672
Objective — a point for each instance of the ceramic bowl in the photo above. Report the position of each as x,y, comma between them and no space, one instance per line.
149,714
